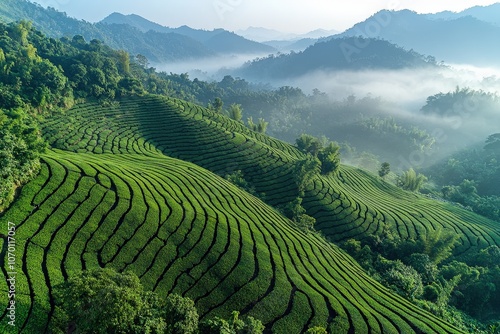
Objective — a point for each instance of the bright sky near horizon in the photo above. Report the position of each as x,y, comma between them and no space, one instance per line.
296,16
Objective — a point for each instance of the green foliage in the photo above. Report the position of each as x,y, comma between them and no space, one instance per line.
260,127
411,181
20,147
327,154
423,264
438,244
181,315
218,104
237,178
466,194
234,325
102,301
304,172
492,143
309,144
404,279
385,169
296,212
105,301
317,330
329,157
235,112
460,102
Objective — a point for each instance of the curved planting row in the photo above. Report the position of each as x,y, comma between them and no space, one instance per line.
351,204
355,204
183,229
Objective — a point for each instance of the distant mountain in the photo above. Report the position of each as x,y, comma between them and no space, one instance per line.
218,40
157,47
261,34
350,53
490,14
457,40
293,45
265,35
135,34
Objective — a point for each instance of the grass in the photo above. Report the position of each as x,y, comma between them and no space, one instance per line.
135,187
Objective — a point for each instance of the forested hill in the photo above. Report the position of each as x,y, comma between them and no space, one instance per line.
459,39
351,53
156,46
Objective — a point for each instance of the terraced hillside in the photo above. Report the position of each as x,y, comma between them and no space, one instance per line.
118,196
353,204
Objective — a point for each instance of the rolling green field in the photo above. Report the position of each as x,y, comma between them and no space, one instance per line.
352,204
134,186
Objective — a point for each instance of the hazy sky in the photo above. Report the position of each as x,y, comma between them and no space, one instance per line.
296,16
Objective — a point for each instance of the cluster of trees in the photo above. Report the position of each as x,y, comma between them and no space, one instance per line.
322,157
327,153
411,180
20,147
462,291
460,102
105,301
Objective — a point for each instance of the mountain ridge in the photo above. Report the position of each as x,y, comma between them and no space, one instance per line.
218,40
443,39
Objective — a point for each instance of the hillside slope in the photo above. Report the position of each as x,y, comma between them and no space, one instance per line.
349,53
352,204
118,201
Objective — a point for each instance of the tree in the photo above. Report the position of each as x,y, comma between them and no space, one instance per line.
142,61
235,112
316,330
309,144
234,325
105,301
123,61
385,168
438,245
218,104
101,301
329,157
262,126
404,280
296,212
422,263
251,124
411,181
180,315
304,172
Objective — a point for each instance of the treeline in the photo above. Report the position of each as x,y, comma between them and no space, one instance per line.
463,102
